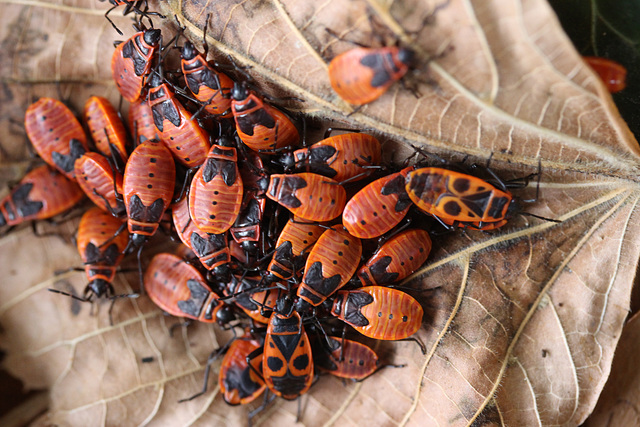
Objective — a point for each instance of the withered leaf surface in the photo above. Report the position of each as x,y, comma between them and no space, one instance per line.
520,324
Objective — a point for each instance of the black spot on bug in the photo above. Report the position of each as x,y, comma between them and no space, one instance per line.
212,216
363,222
149,186
301,362
379,314
151,175
346,242
340,253
452,208
153,160
274,363
405,318
335,262
461,185
390,316
214,203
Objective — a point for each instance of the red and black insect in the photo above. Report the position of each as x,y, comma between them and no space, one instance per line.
345,359
106,129
207,85
215,195
40,194
379,312
287,363
397,258
613,74
308,195
247,230
56,134
100,183
339,157
260,126
460,200
378,207
293,246
211,249
132,61
141,121
148,184
188,142
331,263
240,383
101,246
179,289
363,74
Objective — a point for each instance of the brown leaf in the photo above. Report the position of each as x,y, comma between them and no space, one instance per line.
520,324
618,404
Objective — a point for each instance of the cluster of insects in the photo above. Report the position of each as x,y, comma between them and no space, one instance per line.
297,246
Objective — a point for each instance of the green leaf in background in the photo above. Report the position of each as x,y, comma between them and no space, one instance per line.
611,29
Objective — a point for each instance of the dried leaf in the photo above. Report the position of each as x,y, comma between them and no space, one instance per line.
618,404
520,324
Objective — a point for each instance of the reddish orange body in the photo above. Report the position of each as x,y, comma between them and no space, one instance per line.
239,383
260,126
613,75
179,289
148,184
378,207
458,199
188,142
379,312
362,75
287,363
294,244
132,61
397,258
211,249
96,178
215,196
331,263
339,157
101,253
141,121
358,361
207,85
56,134
310,196
106,128
40,194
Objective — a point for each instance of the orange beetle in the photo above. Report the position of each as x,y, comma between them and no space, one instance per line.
240,383
458,199
308,195
339,157
331,263
379,312
107,129
378,207
56,134
292,248
287,363
101,249
347,359
132,61
179,289
97,179
260,126
362,75
40,194
211,249
206,84
215,195
148,184
188,142
397,258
